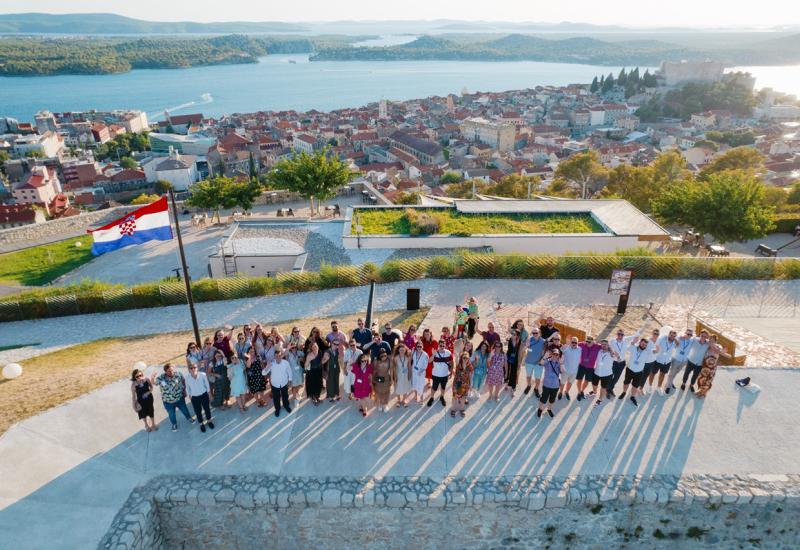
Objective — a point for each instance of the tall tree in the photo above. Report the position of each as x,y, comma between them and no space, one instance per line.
212,194
252,166
622,78
728,205
584,171
513,186
608,83
741,158
315,176
243,193
595,86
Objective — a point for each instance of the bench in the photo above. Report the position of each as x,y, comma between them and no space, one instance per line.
764,250
726,343
564,329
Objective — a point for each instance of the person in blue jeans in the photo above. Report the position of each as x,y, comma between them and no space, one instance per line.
173,394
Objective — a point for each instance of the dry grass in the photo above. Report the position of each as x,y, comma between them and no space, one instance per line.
54,378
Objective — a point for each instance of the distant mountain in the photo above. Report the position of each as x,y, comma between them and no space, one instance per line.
108,23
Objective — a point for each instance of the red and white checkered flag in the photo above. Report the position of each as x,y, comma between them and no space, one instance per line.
128,226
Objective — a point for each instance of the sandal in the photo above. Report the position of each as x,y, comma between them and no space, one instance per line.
405,405
463,414
452,414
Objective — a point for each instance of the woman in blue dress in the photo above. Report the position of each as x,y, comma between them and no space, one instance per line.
236,371
294,356
479,362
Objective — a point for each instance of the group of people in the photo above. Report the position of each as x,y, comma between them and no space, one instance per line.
372,367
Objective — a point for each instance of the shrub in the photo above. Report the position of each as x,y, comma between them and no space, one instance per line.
298,281
541,267
368,272
263,286
91,302
694,268
442,267
512,266
785,223
725,268
389,272
479,266
787,269
757,269
414,268
329,276
206,290
148,295
422,223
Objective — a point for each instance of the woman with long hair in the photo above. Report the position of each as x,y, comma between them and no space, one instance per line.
222,385
512,356
401,374
551,380
362,384
194,355
314,361
462,374
410,337
142,395
237,371
480,360
706,376
497,371
429,346
294,355
222,341
382,380
255,378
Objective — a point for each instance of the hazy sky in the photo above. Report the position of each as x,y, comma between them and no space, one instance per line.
694,13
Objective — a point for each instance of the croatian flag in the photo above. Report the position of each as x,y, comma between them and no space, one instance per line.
148,223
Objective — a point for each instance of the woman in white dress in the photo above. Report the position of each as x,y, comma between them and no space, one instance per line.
401,373
419,364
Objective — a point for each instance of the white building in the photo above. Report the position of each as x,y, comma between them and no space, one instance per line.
40,187
48,144
179,170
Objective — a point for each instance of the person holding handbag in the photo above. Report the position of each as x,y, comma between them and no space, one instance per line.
362,385
382,381
462,374
142,394
401,374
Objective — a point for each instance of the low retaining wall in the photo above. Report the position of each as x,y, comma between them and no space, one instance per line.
283,512
16,238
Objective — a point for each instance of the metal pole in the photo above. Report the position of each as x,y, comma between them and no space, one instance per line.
370,303
186,278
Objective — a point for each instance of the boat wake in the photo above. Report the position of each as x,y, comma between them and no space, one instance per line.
205,99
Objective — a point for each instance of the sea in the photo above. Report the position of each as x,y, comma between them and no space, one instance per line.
284,82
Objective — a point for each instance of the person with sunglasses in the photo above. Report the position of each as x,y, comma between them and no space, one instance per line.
419,366
361,334
294,356
442,368
362,385
351,355
280,380
496,371
679,359
551,378
402,374
382,381
198,388
572,359
142,394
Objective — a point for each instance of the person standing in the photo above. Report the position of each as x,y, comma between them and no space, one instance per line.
551,380
391,336
480,361
361,334
589,351
634,372
706,376
255,379
462,374
221,383
513,353
335,360
650,362
497,370
429,346
242,345
419,366
604,371
382,381
194,356
237,371
335,336
142,395
620,346
548,328
666,350
679,359
377,345
362,386
222,342
294,356
351,356
460,321
533,361
490,336
694,359
198,388
173,394
401,374
442,368
472,317
572,360
410,337
314,360
280,380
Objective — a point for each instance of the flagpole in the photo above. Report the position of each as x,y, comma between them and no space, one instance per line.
186,279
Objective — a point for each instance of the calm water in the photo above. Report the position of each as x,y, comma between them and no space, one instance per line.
277,84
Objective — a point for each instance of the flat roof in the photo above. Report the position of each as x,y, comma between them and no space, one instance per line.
618,215
264,246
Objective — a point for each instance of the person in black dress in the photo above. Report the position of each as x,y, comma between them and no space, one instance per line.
314,363
142,395
512,356
255,380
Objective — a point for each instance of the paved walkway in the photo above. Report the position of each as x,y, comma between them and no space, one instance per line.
66,472
751,300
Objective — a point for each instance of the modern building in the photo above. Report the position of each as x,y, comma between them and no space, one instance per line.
193,144
426,151
499,135
243,253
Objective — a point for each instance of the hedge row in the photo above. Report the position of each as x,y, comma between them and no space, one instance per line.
88,299
785,223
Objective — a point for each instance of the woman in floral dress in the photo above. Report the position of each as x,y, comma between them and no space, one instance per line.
401,374
462,375
255,379
496,371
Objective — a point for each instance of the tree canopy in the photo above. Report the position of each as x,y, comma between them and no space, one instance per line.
741,158
222,192
315,176
728,205
584,171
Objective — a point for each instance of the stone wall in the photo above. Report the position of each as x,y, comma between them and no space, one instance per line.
589,511
57,230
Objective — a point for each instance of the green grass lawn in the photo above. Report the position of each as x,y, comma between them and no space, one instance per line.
43,264
393,221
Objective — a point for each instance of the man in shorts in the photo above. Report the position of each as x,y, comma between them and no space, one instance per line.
589,351
620,346
679,359
604,370
572,359
442,368
634,372
533,361
666,349
652,351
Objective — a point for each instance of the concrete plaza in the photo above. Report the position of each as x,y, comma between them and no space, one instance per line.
66,472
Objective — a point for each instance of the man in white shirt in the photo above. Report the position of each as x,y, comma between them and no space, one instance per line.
679,359
604,370
620,346
572,360
650,362
634,371
198,389
442,364
694,359
280,379
663,360
351,355
419,364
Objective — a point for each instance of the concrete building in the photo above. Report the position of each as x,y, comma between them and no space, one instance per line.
426,151
193,144
179,170
255,256
499,135
16,215
40,187
48,144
